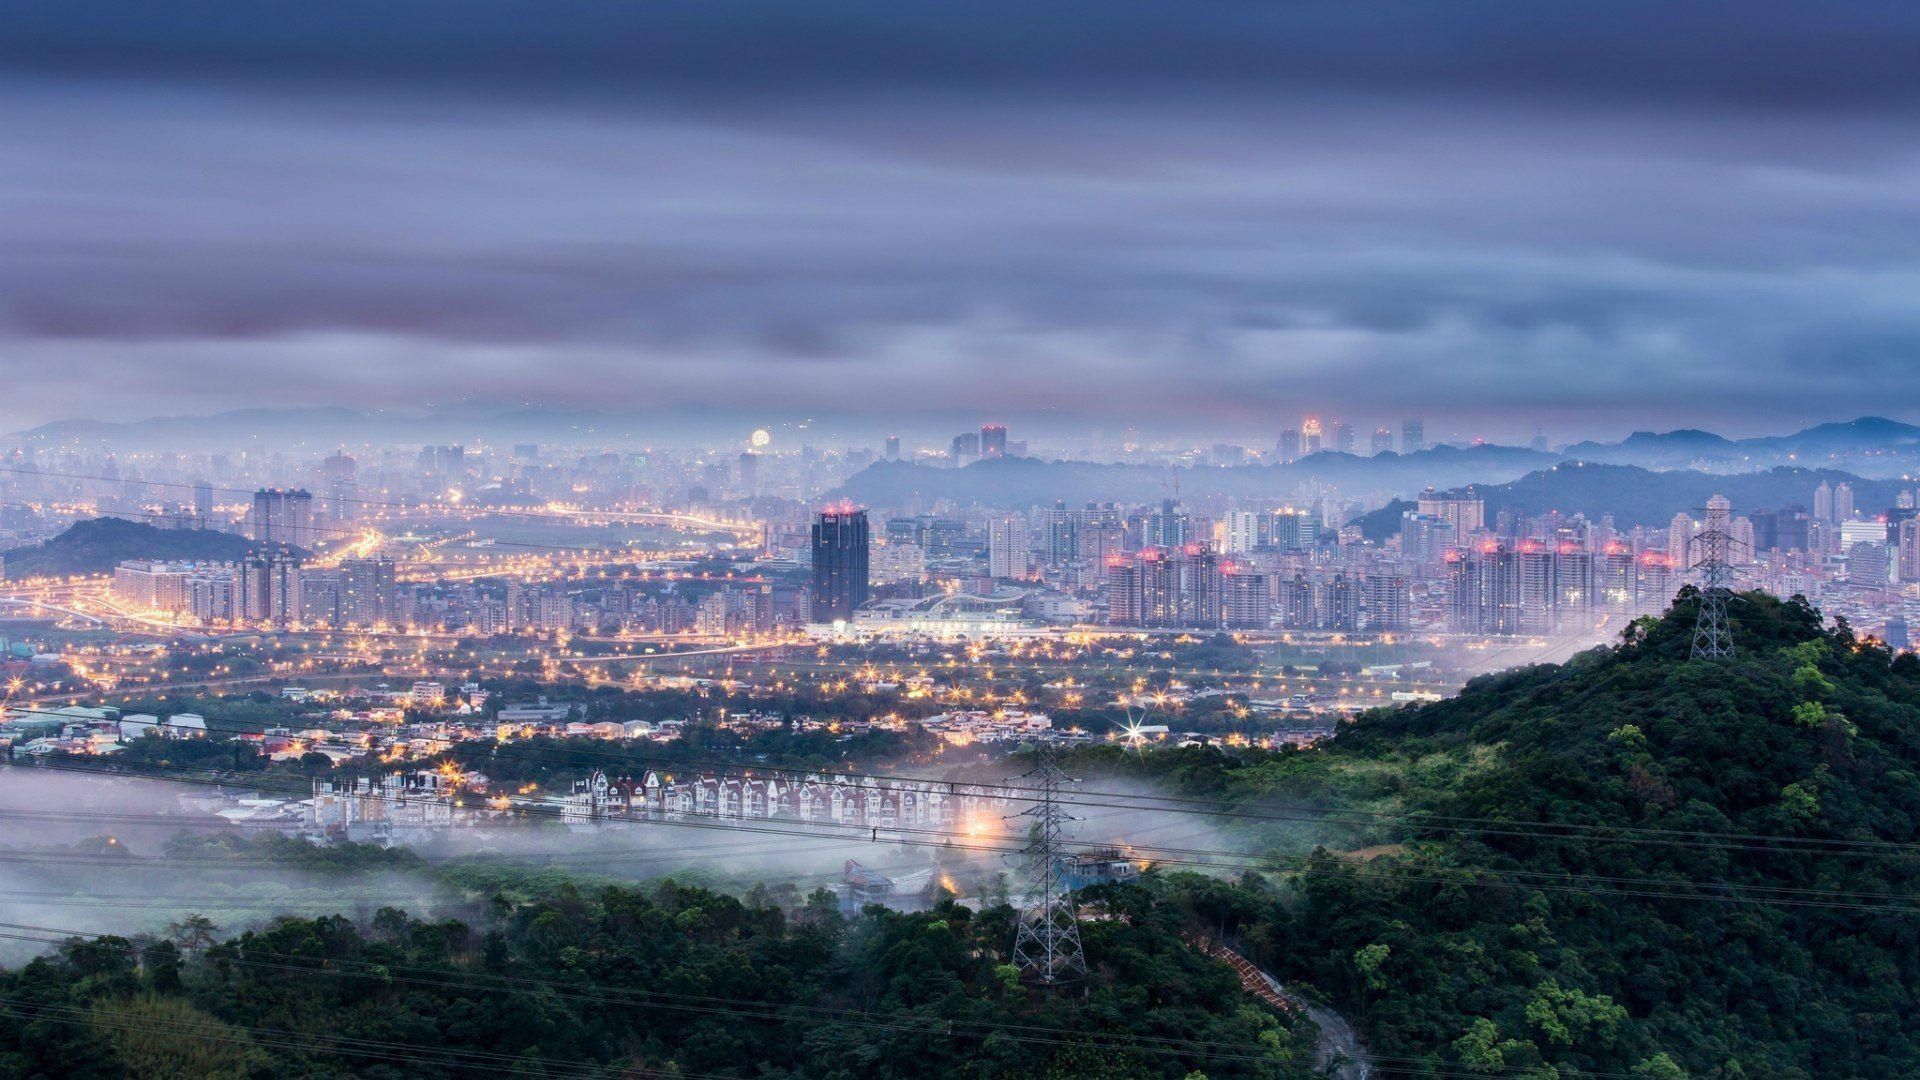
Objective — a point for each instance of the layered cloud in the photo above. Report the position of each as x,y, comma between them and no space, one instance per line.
1198,216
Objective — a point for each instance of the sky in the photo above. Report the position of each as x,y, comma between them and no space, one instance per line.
1205,216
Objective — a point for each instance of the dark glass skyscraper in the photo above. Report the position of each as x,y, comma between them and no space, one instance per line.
839,563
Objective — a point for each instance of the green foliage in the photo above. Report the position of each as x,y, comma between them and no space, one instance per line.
574,977
1571,942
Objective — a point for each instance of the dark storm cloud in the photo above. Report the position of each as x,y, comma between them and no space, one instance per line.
1196,214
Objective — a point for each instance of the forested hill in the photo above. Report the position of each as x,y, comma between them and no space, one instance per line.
1633,864
97,545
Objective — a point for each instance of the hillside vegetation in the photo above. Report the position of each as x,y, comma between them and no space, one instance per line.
1634,863
97,545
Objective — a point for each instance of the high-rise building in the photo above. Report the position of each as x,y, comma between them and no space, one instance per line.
1465,510
1246,531
1178,588
203,503
1293,530
893,448
1413,437
1168,527
1909,559
1869,565
269,587
1483,591
966,447
1339,603
369,593
1616,585
282,517
1425,539
1389,601
1343,436
1007,548
1289,445
1843,502
1823,502
749,468
1310,435
1536,565
1382,440
1681,532
993,440
840,575
1298,607
1246,602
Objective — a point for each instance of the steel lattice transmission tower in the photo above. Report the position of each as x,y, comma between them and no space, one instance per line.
1046,947
1712,636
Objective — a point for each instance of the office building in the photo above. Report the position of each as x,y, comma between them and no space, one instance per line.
993,440
1413,437
840,568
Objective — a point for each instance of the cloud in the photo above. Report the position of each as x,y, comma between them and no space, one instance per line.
1208,217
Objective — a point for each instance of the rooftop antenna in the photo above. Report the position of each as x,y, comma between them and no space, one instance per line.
1046,947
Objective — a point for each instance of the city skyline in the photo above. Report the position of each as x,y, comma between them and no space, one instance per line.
1510,216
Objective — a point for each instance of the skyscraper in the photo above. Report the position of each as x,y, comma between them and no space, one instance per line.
1310,435
840,577
1343,436
1413,437
1843,502
893,448
1823,502
1382,440
993,440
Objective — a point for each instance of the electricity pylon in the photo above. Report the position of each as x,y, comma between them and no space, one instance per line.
1046,948
1712,637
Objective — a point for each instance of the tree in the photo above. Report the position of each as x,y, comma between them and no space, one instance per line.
193,933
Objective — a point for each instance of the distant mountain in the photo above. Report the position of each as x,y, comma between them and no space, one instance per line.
97,545
1869,446
1637,496
1022,482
